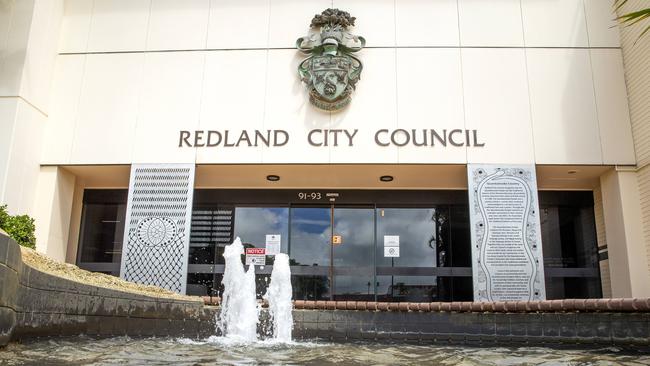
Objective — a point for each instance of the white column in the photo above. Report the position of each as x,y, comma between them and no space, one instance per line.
628,262
52,210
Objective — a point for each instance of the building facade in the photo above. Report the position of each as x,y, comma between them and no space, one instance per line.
93,90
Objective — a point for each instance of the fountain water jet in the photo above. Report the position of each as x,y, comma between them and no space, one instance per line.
279,297
239,309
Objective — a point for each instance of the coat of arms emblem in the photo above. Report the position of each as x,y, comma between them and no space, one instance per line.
331,71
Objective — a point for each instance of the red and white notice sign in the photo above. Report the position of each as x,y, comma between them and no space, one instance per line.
255,256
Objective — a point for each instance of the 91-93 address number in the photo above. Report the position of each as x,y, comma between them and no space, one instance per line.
309,195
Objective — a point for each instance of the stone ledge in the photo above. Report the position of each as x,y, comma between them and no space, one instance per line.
636,305
34,303
471,327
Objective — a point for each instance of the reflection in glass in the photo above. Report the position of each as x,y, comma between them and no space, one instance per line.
353,261
310,287
310,237
419,231
407,288
422,244
310,232
252,224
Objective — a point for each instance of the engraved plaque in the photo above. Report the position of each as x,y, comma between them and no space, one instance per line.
507,260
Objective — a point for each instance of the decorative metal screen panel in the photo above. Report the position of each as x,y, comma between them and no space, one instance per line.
157,226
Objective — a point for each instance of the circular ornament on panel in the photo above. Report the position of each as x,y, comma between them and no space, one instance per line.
156,231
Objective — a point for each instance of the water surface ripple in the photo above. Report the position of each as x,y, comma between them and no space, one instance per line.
221,351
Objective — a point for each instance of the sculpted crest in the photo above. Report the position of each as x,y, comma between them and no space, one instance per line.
331,72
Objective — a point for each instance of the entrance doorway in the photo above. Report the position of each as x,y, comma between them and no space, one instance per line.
335,246
337,241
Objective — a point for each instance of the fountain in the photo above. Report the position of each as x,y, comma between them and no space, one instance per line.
239,307
279,297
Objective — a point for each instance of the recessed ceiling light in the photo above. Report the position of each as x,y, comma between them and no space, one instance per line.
386,178
273,178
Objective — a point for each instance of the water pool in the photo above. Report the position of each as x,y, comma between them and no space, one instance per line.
221,351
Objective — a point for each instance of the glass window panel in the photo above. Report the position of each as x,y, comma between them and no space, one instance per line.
310,236
419,236
202,255
354,287
204,283
356,228
459,237
199,284
407,288
310,287
252,224
569,241
462,289
353,260
102,232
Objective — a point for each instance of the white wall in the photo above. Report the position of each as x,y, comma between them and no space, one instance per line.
29,33
522,72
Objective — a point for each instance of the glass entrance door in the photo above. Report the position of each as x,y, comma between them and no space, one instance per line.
331,253
353,246
310,252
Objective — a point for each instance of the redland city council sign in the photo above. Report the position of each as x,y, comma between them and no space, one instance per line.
330,137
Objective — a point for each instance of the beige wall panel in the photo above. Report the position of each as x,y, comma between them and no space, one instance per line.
8,108
490,23
425,23
373,107
240,106
375,19
563,107
14,45
108,106
45,192
601,26
554,23
430,95
628,257
333,176
119,25
239,24
54,197
64,104
289,19
6,12
496,104
75,222
41,53
615,225
170,101
75,27
287,108
611,103
23,165
177,24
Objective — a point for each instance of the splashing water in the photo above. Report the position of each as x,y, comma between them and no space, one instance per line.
239,309
279,297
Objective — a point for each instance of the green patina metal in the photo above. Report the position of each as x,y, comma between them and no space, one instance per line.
331,71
